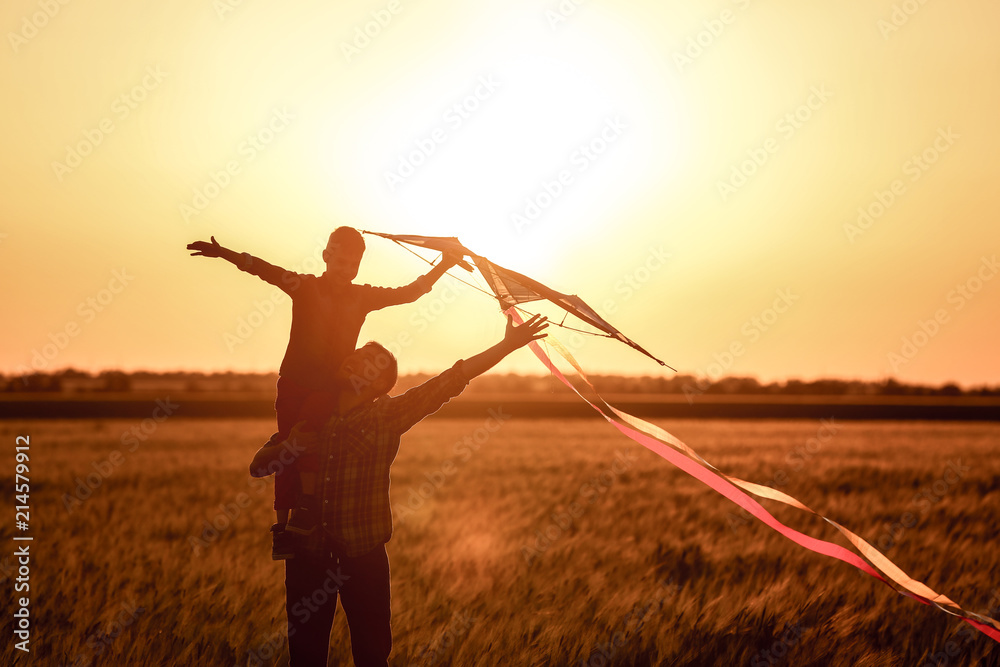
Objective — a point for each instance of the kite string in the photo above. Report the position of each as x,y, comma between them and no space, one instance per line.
424,259
496,298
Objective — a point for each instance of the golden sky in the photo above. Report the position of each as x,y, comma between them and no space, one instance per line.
779,189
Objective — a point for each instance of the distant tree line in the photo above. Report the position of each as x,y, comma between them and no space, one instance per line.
73,381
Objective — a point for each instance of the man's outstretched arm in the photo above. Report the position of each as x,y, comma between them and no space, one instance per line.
277,276
409,408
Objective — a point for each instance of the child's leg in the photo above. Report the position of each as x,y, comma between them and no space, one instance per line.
286,492
308,482
305,518
315,408
307,467
287,406
284,498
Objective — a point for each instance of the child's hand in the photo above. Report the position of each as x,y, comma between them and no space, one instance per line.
450,260
205,249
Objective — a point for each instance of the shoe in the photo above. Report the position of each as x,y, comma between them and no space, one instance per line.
282,543
302,521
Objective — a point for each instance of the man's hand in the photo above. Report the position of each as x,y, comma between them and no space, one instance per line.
303,440
519,336
206,249
514,337
268,458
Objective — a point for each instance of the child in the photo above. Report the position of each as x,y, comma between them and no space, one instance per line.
327,314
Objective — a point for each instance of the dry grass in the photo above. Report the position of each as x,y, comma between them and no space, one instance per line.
656,570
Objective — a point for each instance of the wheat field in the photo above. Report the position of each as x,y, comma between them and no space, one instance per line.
517,542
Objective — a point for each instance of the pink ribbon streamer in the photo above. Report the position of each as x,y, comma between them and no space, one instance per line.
722,485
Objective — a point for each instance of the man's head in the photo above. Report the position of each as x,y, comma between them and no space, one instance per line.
370,371
343,253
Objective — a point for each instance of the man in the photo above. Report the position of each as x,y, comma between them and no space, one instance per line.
355,449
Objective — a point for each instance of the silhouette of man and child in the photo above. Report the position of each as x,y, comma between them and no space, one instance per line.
338,433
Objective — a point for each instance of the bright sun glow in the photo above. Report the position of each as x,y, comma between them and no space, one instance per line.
533,148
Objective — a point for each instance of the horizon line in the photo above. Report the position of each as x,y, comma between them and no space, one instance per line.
676,375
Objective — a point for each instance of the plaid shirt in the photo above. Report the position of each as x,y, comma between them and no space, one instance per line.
355,451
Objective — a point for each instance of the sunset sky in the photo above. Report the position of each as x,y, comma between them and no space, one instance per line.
808,185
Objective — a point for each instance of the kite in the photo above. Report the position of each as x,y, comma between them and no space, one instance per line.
511,288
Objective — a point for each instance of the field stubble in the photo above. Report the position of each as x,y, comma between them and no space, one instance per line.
522,542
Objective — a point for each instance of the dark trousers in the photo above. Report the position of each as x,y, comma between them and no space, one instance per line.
312,585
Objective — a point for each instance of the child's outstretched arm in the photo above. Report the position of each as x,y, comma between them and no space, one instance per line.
448,260
277,276
214,249
384,296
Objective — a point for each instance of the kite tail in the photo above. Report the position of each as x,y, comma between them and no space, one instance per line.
681,455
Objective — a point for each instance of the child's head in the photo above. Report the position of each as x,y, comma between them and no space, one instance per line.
343,253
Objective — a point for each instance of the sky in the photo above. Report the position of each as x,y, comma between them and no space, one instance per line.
776,189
